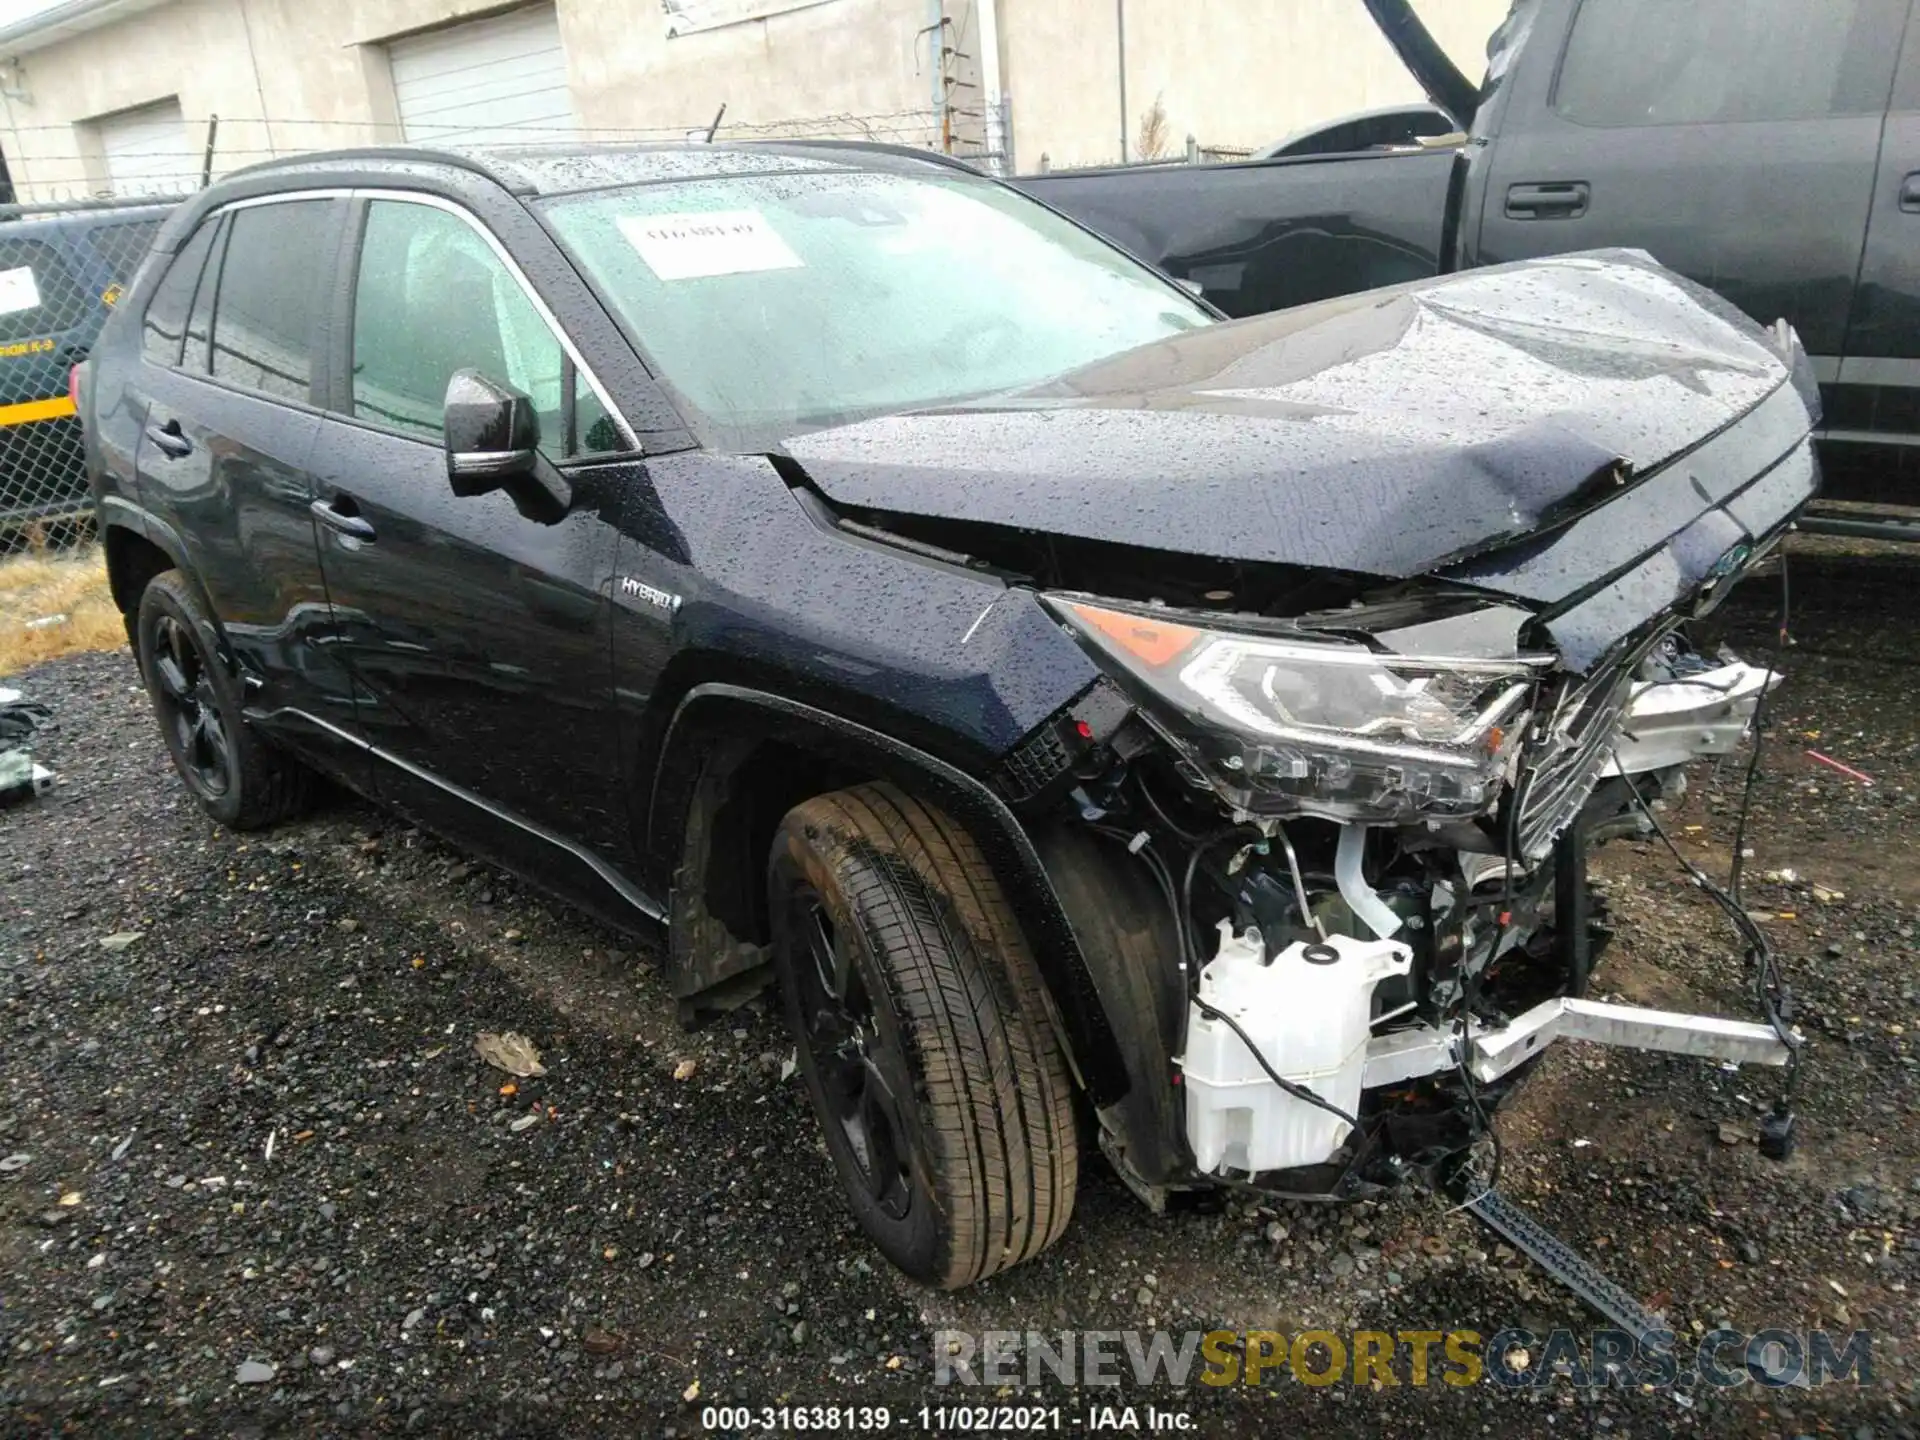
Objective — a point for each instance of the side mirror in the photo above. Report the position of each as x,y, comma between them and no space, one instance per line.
493,442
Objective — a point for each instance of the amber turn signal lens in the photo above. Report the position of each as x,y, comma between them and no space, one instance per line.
1152,642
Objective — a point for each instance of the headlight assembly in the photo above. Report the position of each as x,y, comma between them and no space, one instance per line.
1280,725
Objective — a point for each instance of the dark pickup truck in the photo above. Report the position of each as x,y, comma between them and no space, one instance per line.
1769,149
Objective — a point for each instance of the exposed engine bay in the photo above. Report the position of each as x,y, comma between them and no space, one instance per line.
1367,831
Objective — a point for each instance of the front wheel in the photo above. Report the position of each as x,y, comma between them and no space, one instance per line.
924,1035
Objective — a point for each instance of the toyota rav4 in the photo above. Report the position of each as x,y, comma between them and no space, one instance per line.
1095,717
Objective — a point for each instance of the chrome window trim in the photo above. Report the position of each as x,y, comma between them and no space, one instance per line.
479,227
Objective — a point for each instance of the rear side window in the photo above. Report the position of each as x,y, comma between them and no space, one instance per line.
270,287
198,353
39,297
1698,62
166,319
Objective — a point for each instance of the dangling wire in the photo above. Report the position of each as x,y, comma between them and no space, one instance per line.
1780,643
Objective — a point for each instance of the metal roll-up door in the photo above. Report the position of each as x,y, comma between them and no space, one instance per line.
500,78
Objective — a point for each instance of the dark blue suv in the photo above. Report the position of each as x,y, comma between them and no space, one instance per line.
912,601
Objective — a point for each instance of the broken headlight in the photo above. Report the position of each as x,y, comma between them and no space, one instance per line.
1282,725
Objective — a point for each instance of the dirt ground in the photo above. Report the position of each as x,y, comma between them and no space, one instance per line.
269,1189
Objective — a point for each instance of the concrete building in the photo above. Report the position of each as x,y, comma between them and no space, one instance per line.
120,96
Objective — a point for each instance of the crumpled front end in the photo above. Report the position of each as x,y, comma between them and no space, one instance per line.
1368,829
1390,596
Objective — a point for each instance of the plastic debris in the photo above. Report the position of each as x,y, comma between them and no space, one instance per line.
684,1070
20,777
1833,764
511,1052
18,1161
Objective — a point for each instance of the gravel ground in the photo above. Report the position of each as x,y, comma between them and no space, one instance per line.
268,1187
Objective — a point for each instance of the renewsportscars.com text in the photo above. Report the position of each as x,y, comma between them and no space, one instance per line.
1514,1358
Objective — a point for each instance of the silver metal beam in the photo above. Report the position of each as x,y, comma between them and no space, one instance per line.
1407,1054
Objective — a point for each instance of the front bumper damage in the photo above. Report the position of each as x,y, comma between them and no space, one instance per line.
1250,1097
1699,713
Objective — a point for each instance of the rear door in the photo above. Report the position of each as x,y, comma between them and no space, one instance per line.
1878,394
1735,140
229,429
476,627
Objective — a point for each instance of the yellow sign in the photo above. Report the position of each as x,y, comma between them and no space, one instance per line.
52,409
25,347
111,295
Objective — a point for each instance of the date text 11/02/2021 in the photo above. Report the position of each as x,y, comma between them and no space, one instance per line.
944,1419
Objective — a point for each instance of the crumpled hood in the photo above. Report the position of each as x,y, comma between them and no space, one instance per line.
1390,433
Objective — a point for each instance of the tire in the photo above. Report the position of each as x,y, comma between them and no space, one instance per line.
924,1035
235,776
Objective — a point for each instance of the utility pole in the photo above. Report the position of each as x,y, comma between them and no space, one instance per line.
1120,27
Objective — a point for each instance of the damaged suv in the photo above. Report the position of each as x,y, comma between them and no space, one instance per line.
1100,719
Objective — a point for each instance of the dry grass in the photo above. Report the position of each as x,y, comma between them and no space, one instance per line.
38,584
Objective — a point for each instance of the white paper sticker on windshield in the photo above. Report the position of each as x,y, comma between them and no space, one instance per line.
715,242
17,290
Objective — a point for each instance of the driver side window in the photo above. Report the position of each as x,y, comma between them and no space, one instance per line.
431,297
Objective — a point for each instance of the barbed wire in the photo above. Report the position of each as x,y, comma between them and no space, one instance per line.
49,163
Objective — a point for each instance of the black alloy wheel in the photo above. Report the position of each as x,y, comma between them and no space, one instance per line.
862,1076
190,712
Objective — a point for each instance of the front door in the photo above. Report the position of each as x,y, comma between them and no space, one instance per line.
1734,140
476,627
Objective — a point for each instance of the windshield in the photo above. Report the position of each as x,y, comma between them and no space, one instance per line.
779,303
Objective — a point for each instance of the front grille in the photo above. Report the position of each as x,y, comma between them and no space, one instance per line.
1561,765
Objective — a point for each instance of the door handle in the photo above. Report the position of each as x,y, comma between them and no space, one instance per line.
347,521
1910,193
1556,200
169,439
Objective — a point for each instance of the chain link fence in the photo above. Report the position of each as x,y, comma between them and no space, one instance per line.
62,269
70,246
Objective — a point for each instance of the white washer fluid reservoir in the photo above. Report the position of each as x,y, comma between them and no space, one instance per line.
1309,1011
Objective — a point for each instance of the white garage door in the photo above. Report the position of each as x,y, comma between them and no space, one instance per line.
498,79
147,152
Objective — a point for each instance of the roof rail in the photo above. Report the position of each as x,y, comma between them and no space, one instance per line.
878,147
319,159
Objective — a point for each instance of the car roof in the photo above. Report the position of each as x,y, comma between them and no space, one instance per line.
563,167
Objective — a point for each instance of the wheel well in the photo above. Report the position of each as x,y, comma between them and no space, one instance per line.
744,807
132,562
734,759
720,929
